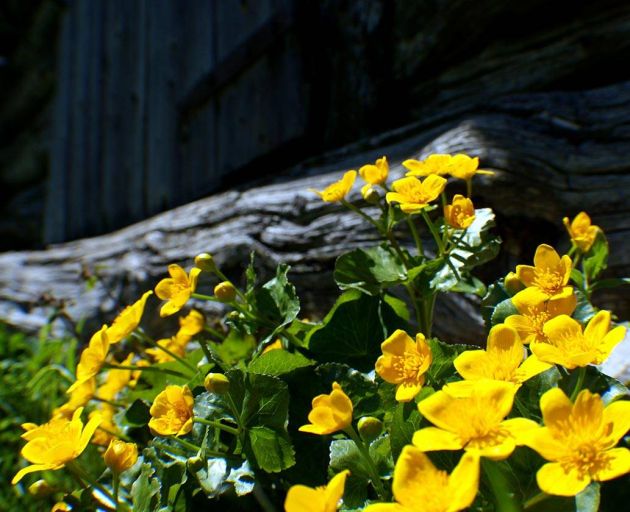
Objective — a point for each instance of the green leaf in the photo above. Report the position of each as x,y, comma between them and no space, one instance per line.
137,414
610,283
496,294
502,311
596,259
145,490
442,369
236,347
588,500
577,278
353,330
470,284
212,477
399,307
278,362
250,275
277,300
344,454
584,310
369,270
405,421
271,449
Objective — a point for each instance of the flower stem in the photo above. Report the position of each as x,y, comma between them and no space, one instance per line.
581,373
116,483
504,498
216,424
535,500
416,237
201,296
179,359
186,444
365,453
434,232
83,476
147,369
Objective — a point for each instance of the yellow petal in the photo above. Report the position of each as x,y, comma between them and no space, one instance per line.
178,274
463,483
531,367
519,427
301,498
194,276
506,344
525,273
88,432
334,489
499,451
388,370
598,326
433,185
385,507
164,288
406,391
472,364
543,441
617,414
398,343
30,469
528,300
169,308
546,257
610,341
395,197
432,438
562,327
413,471
588,411
556,408
617,464
555,479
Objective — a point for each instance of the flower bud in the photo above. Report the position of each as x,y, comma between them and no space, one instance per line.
512,284
60,506
40,489
195,463
205,262
370,194
370,428
225,291
120,456
217,383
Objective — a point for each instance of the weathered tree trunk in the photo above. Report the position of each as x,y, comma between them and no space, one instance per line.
554,155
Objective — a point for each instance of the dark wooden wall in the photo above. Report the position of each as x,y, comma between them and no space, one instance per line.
159,100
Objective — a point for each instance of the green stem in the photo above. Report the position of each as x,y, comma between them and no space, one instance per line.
434,232
116,483
218,425
504,499
206,350
109,402
362,214
82,475
201,296
428,304
214,332
186,444
579,382
416,306
535,500
365,453
469,188
416,237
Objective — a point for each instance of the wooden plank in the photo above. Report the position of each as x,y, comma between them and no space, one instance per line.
163,70
57,186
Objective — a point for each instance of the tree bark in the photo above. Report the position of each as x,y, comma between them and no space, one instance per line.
554,154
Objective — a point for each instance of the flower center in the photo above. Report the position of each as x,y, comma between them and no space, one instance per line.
549,281
588,459
408,365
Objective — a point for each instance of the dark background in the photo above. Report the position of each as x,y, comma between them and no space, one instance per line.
112,111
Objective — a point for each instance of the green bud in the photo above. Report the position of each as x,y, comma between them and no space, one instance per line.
217,383
512,284
195,463
370,428
370,194
40,489
225,291
205,262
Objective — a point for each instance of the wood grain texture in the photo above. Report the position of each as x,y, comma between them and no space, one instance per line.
544,147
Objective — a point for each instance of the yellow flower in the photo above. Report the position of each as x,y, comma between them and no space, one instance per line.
535,310
330,413
549,275
413,195
568,346
127,320
464,167
581,231
502,359
54,444
79,396
433,164
276,345
92,358
460,213
301,498
177,289
172,412
120,456
404,363
176,344
115,380
338,190
192,323
419,485
375,174
474,422
579,439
